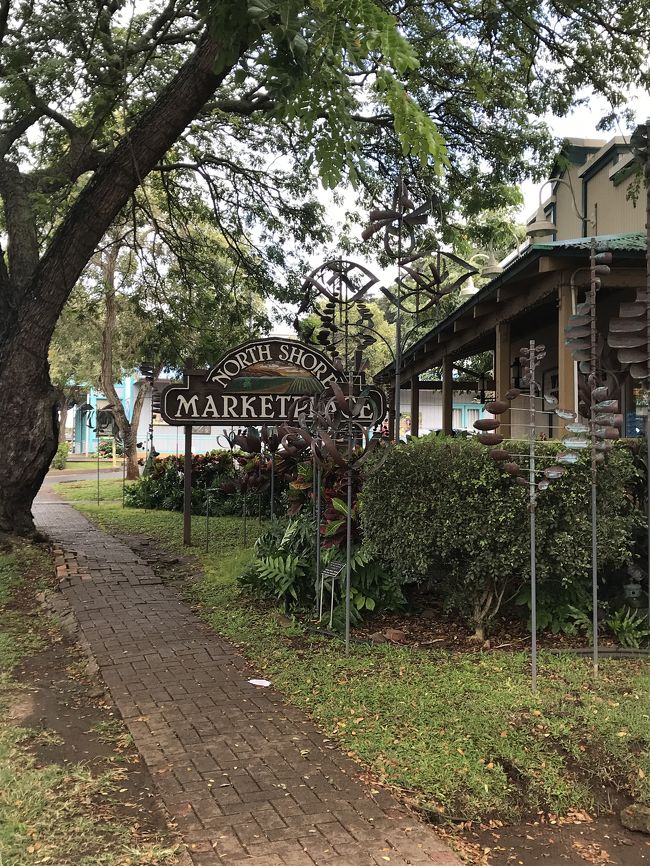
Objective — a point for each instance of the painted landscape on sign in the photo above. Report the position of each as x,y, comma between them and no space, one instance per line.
274,377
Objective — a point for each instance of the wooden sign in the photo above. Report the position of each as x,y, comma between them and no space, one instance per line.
260,382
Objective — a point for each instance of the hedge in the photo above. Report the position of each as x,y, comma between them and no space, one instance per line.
441,510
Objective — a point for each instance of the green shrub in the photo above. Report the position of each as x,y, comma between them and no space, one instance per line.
230,478
162,488
440,510
61,456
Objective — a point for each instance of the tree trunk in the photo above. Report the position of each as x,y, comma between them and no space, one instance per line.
30,306
29,432
63,417
132,467
128,428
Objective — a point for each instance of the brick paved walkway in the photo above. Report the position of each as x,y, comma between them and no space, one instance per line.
247,779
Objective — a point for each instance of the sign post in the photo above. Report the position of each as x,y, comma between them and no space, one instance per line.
187,487
260,382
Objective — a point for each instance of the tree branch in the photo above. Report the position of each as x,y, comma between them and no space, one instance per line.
244,107
116,179
45,109
4,16
21,229
17,129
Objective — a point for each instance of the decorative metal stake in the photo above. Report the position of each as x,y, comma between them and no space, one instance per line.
583,341
532,507
272,485
630,335
530,358
348,526
123,472
319,577
594,477
207,521
337,421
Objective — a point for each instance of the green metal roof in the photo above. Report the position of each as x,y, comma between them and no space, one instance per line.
628,242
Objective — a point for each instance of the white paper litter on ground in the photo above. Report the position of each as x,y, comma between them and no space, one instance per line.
260,683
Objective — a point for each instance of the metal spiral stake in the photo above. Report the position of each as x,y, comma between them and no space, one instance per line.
630,334
604,421
530,358
339,432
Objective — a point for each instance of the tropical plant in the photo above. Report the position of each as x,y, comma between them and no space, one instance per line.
162,486
630,626
284,569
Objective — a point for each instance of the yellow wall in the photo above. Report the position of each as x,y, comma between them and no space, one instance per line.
615,213
568,224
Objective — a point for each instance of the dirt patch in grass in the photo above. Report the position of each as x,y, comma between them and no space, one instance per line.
575,840
425,624
74,721
73,789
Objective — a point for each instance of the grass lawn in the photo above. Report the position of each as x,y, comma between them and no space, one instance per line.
460,735
77,491
49,811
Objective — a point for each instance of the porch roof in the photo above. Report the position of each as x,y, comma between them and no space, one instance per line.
496,302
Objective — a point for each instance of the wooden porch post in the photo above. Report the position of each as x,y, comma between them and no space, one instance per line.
502,371
447,397
415,406
566,365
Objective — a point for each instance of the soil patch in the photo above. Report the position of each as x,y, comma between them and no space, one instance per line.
426,625
575,840
76,723
72,721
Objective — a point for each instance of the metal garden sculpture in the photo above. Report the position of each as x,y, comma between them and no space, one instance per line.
527,475
595,403
338,291
335,433
629,334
